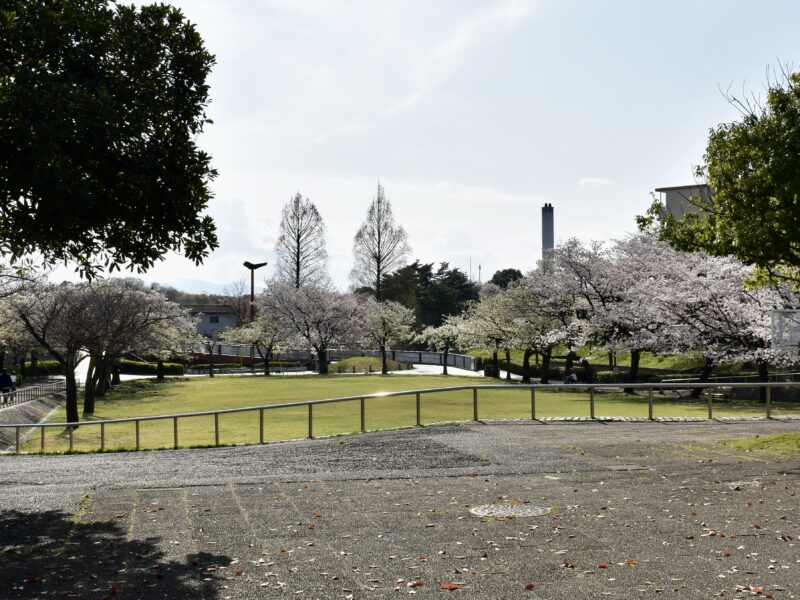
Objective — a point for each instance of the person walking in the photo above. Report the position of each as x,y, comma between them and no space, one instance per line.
5,385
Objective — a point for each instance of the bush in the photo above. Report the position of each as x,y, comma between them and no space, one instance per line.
622,377
135,367
45,368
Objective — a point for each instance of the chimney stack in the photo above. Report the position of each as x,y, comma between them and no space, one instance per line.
547,229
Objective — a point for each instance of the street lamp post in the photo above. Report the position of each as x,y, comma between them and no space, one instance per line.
253,267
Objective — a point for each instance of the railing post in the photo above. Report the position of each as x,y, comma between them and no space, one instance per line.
16,444
310,421
175,432
591,402
261,426
419,412
216,429
474,404
137,434
709,400
533,404
769,401
363,420
650,403
42,430
102,436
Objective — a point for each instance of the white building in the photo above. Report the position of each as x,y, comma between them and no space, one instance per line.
676,198
214,318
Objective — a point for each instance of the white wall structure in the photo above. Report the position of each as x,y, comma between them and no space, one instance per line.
677,198
214,318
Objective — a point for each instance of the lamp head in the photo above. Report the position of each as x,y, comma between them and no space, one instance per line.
252,266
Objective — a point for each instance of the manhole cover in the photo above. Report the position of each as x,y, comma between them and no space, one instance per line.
509,510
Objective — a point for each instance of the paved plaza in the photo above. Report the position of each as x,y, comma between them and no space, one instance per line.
631,510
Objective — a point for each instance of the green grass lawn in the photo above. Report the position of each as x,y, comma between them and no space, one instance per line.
363,363
181,395
785,445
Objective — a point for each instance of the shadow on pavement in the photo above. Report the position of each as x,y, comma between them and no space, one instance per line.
47,553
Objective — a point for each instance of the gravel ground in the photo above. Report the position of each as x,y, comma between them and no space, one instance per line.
633,510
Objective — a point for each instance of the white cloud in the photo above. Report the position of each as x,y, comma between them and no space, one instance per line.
595,182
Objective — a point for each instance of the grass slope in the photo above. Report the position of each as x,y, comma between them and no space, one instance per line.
181,395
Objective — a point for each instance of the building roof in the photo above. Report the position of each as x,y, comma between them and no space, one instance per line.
210,309
682,187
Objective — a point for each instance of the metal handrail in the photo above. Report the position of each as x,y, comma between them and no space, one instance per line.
26,394
591,387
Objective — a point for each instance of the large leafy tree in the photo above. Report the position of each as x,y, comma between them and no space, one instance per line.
100,108
431,294
505,277
753,168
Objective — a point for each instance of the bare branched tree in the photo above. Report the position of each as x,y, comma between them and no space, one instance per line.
237,295
301,246
380,246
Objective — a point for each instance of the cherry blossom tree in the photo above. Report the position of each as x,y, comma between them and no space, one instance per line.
716,314
386,324
543,316
264,334
443,338
489,323
315,317
53,316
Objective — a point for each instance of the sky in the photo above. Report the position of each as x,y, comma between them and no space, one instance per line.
471,113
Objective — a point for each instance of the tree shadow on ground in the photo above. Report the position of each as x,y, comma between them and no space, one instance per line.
46,554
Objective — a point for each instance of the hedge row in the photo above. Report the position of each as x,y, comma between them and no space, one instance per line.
44,368
135,367
557,373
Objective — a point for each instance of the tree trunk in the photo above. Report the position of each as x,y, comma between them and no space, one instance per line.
322,356
102,377
72,393
384,366
495,363
611,360
2,358
34,362
508,364
22,370
763,377
708,367
115,369
90,388
526,366
160,370
545,378
633,373
211,362
445,354
267,356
